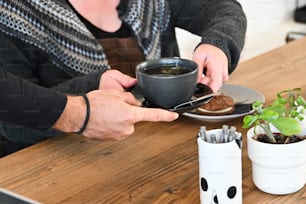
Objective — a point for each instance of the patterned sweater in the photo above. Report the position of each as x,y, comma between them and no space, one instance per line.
53,48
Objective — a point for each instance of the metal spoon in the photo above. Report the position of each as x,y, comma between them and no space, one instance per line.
192,104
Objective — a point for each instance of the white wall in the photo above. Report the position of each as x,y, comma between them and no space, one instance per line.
268,23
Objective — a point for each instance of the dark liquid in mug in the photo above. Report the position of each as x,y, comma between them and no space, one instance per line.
166,71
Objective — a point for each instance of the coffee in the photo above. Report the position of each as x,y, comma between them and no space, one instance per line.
167,82
166,71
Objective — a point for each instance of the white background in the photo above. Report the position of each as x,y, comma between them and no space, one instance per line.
268,23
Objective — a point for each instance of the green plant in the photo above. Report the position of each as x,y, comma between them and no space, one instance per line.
284,114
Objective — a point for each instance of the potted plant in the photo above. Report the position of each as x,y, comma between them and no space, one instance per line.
276,143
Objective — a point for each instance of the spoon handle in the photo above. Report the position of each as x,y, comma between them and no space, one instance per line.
199,101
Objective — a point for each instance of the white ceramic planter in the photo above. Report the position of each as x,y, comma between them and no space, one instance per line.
277,168
220,170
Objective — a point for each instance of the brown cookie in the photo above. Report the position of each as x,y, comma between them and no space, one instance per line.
219,105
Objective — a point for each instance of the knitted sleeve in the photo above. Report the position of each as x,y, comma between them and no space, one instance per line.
32,64
80,85
27,104
220,23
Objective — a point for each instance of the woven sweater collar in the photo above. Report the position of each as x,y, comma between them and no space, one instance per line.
54,27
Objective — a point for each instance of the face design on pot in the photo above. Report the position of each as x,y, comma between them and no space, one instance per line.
218,185
230,193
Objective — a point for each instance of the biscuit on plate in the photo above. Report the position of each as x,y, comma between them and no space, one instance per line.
218,105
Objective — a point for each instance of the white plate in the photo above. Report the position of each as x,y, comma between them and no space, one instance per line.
240,94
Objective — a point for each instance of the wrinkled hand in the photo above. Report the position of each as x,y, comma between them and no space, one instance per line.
114,79
114,114
215,62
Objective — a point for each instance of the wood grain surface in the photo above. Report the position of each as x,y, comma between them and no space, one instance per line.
159,162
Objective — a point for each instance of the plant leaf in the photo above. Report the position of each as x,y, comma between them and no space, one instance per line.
248,120
279,108
269,115
300,101
287,126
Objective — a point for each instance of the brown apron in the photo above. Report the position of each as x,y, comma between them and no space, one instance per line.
122,54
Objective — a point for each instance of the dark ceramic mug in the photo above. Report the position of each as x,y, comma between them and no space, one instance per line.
167,82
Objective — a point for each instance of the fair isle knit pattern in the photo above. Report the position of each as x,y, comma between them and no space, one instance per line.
53,26
148,19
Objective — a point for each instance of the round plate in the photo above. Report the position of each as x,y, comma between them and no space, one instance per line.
240,94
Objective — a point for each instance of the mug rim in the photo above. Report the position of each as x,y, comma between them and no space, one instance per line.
166,61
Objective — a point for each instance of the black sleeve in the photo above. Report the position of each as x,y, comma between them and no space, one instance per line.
80,85
27,104
32,64
220,23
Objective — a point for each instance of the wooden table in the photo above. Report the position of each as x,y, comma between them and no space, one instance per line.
158,163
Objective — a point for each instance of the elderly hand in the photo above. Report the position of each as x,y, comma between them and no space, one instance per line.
114,79
215,62
114,114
